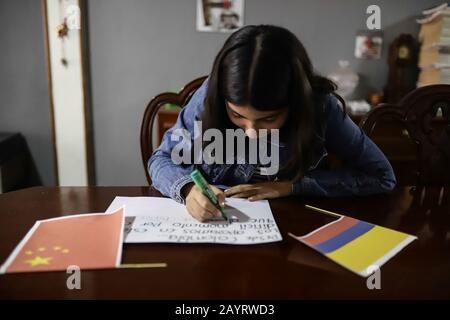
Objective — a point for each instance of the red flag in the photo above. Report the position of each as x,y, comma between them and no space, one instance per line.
90,241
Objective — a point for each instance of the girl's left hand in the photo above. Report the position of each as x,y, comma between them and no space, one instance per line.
260,191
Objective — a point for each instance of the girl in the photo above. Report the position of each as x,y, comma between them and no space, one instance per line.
262,78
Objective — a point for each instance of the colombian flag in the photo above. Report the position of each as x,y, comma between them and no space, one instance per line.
89,241
355,244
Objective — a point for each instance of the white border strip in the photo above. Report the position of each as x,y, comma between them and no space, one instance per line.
120,245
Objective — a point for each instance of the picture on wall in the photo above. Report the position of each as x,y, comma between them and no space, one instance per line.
220,15
368,45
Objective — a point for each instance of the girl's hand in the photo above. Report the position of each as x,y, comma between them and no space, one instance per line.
260,191
199,206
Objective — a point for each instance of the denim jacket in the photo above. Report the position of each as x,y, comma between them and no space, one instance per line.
366,170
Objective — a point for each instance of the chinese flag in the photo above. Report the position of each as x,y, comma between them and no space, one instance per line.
89,241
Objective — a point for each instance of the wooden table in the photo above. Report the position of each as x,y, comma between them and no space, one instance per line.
283,270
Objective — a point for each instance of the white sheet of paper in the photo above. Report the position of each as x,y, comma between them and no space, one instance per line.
153,219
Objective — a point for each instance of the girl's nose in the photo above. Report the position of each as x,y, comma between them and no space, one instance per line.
252,133
251,130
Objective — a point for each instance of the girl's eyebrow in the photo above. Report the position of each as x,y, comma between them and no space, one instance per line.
272,115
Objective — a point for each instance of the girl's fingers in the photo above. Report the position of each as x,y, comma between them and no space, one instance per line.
197,206
191,206
201,213
245,194
238,189
261,196
207,205
193,209
220,195
203,201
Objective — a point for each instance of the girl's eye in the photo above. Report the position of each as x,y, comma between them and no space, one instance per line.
237,115
269,119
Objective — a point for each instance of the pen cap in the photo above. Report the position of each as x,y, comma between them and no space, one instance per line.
199,180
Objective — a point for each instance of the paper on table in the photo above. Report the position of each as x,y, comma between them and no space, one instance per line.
153,219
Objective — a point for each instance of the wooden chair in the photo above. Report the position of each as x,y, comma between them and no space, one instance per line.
417,113
181,99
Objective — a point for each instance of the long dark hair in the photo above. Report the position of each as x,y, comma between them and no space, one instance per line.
267,67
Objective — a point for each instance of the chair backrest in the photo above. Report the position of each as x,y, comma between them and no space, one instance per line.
181,99
417,112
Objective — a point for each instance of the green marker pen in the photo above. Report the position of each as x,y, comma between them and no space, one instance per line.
207,191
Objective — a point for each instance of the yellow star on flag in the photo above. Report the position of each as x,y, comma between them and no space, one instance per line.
37,261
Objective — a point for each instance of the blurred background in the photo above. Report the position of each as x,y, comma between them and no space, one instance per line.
131,50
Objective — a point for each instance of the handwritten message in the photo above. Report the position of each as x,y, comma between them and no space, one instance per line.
152,219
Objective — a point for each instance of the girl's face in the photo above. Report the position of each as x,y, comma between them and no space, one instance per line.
247,118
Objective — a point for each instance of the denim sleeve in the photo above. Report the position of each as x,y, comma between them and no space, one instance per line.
366,170
167,177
